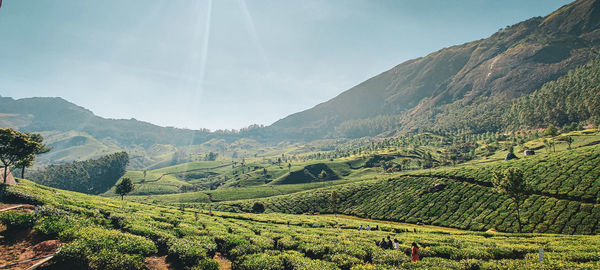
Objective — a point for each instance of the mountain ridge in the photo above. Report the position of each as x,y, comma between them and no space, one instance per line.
508,64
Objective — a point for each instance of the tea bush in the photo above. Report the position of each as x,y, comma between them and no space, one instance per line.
17,219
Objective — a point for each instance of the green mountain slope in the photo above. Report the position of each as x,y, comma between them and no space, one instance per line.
510,63
57,114
566,196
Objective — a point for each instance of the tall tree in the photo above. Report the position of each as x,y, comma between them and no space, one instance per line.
569,141
15,147
334,198
124,187
512,184
41,149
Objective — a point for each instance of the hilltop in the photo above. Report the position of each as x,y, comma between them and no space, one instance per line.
512,80
511,63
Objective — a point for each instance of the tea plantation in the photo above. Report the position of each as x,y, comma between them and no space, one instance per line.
104,233
565,196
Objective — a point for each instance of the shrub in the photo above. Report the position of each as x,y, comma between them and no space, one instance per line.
107,259
17,220
160,238
243,249
344,261
190,251
90,240
390,257
52,226
258,207
296,260
206,264
261,262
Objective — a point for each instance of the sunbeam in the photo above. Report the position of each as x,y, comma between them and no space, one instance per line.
255,38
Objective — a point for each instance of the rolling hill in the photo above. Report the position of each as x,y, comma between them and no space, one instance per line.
565,196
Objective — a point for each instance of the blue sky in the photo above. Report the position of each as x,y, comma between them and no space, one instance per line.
226,63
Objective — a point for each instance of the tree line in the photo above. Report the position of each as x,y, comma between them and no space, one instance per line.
93,176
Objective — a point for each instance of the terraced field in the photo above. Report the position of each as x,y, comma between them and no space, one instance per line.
565,198
97,230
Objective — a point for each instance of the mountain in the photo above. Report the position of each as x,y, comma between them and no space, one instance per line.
76,134
57,114
493,84
513,62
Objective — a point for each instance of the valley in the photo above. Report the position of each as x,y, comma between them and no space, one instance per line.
480,155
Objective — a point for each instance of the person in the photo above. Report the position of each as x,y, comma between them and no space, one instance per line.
414,252
368,228
388,243
360,227
382,243
396,244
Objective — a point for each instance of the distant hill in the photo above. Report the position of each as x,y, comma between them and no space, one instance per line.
56,114
76,134
514,61
493,84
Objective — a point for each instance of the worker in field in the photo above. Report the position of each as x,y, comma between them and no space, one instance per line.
388,243
396,243
414,252
382,243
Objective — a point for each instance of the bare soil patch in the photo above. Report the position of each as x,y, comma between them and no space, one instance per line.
224,263
158,263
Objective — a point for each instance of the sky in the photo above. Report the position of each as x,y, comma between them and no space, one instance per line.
226,64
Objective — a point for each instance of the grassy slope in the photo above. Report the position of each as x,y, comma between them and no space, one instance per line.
163,185
254,184
566,197
100,229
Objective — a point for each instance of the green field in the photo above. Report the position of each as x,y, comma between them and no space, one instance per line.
565,197
96,229
314,207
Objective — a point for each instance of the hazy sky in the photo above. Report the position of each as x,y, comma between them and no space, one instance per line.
226,63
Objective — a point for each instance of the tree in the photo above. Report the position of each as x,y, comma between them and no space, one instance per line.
547,144
569,141
92,176
211,156
427,160
512,184
16,148
258,207
124,187
551,131
334,198
41,149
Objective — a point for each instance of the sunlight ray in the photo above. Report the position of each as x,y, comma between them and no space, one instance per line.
252,31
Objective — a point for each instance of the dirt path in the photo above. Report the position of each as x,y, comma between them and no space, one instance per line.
158,263
224,263
22,246
8,207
